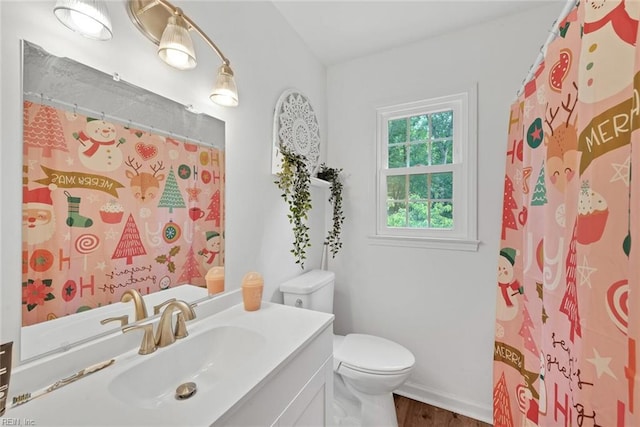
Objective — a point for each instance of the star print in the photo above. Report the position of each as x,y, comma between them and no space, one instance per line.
70,160
69,290
92,198
67,237
544,315
539,289
536,133
32,163
191,158
193,193
101,265
601,364
622,171
585,272
111,234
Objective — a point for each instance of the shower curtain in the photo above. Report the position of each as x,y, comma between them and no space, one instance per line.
568,310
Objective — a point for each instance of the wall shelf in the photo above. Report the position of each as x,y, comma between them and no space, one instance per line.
320,183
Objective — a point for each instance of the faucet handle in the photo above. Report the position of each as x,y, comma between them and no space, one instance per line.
148,344
124,320
156,308
181,328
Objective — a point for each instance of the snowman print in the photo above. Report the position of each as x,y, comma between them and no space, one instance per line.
507,305
98,149
608,48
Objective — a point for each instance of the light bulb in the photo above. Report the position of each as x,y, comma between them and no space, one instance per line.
85,23
177,58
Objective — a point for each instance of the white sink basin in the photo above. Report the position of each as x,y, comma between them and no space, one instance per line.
207,359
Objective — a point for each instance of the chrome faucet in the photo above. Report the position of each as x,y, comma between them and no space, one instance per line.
138,303
166,334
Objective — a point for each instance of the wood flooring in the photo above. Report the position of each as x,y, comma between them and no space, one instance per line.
412,413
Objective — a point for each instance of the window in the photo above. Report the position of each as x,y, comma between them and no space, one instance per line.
427,173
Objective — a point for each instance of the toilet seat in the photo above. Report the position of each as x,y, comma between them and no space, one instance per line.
371,354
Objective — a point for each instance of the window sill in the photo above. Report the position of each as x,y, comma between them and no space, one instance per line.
425,242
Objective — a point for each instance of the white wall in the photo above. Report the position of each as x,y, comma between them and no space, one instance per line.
438,303
267,57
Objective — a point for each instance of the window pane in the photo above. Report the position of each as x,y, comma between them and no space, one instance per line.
396,214
442,124
419,130
442,152
419,154
397,130
397,156
396,187
418,216
418,186
441,215
441,185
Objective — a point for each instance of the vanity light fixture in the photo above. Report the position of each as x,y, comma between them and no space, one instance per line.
168,27
87,17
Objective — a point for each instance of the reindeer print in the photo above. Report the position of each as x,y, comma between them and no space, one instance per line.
562,143
144,185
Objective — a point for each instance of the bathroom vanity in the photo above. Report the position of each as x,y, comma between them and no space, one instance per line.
268,367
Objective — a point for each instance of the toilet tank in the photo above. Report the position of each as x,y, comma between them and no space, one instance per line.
312,290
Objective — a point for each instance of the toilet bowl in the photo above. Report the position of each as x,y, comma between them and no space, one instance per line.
367,369
371,368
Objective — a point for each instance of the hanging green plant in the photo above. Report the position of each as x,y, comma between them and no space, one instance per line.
332,176
294,180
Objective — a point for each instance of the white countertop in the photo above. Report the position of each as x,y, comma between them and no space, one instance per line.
89,401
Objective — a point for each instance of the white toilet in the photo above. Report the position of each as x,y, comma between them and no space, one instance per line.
367,368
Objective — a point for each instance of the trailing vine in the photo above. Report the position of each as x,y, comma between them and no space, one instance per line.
294,180
332,176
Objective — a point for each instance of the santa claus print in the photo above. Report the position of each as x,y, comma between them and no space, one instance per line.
38,217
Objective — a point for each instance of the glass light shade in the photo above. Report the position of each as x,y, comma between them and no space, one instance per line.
176,46
225,92
87,17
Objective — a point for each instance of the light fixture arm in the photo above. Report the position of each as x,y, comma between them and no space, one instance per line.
176,10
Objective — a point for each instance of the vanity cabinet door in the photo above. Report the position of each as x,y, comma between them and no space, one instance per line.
312,406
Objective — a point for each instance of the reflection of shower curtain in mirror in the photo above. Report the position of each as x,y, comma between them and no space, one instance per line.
108,208
568,309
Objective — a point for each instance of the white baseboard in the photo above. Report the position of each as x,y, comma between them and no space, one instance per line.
449,402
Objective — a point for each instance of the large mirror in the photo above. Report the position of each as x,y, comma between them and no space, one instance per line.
122,190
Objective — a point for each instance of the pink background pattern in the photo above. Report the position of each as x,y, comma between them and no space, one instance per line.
567,317
107,208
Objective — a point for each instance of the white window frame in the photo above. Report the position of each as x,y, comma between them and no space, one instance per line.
463,235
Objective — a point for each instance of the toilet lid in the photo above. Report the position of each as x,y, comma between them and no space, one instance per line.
372,354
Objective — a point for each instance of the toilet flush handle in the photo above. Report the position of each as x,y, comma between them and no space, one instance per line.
298,302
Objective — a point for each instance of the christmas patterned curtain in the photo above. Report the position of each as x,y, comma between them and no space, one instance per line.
568,309
108,208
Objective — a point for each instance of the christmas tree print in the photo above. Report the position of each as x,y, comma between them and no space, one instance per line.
130,244
501,407
540,191
171,196
569,304
45,131
214,209
190,268
509,204
525,332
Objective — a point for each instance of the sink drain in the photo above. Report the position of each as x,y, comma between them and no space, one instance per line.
186,390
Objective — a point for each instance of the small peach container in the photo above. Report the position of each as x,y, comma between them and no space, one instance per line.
215,280
252,285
